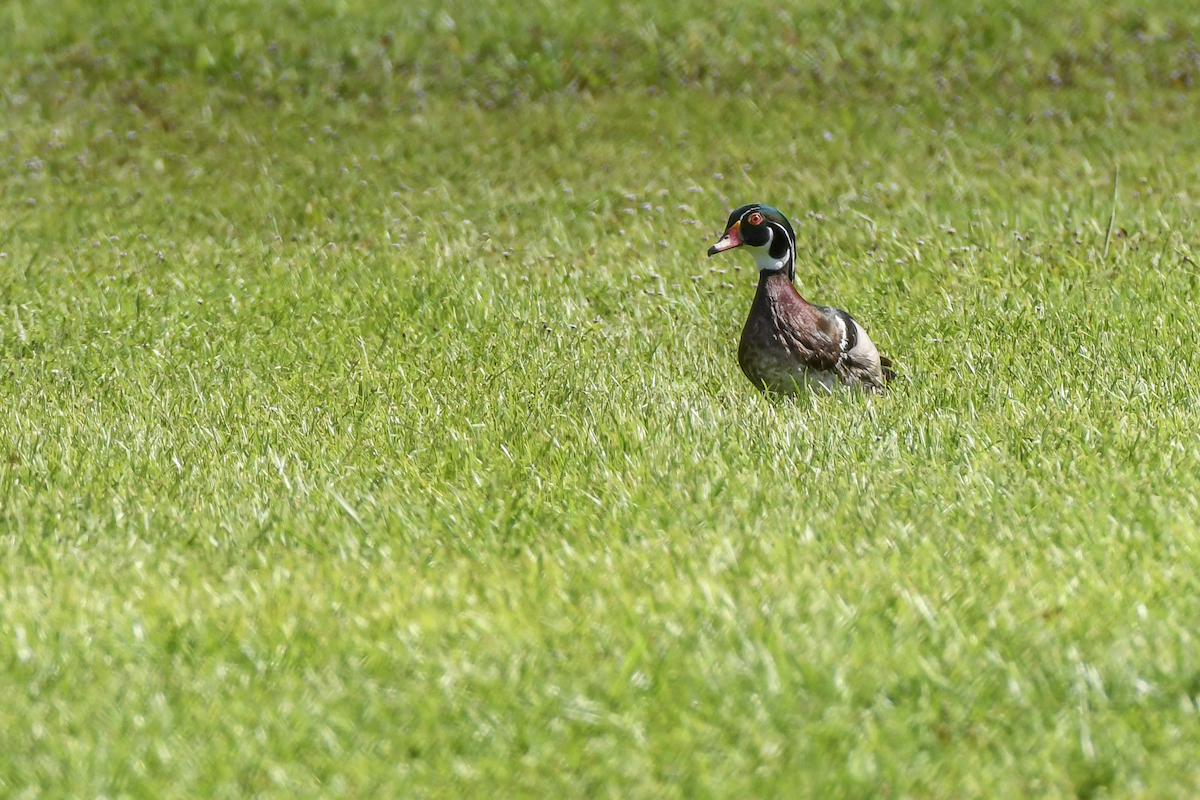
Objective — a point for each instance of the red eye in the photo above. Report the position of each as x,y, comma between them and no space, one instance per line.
755,218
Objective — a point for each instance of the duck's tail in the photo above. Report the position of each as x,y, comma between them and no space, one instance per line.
885,364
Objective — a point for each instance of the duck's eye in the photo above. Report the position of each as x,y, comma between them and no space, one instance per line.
755,218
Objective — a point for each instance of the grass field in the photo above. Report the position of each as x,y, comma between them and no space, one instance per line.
374,426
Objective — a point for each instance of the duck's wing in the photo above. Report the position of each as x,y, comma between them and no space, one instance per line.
858,362
816,335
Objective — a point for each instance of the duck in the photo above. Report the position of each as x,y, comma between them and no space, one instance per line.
789,345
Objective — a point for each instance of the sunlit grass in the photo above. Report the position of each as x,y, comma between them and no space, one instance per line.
367,442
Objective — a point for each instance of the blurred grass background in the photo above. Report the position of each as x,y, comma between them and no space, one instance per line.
496,53
374,425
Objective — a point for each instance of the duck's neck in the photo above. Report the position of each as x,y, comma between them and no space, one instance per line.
774,283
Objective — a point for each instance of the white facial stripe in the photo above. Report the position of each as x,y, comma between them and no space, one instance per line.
791,242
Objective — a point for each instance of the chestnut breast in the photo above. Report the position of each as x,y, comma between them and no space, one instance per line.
787,343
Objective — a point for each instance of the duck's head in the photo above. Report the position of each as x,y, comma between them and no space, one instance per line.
766,233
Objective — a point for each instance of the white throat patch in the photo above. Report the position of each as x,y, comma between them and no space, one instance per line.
763,258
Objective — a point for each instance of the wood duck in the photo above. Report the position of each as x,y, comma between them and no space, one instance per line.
788,343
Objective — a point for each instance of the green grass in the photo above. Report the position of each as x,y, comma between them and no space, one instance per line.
311,487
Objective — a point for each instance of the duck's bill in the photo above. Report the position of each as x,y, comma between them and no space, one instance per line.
730,240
